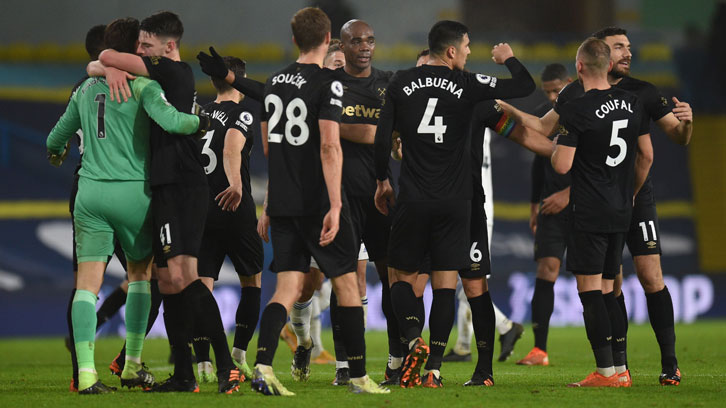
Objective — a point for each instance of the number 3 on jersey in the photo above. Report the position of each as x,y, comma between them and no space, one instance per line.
437,128
206,150
295,114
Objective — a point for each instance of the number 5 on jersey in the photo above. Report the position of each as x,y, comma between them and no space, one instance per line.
437,128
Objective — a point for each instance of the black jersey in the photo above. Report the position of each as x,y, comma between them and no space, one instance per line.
486,114
655,104
361,105
225,115
604,126
431,107
295,99
174,158
545,180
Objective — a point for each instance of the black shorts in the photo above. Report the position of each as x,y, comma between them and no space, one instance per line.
237,239
438,228
117,250
644,235
179,212
550,239
296,239
372,227
480,261
592,253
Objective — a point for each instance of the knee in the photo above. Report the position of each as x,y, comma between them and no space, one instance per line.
548,269
649,273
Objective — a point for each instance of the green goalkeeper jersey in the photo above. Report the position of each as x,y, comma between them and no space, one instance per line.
116,135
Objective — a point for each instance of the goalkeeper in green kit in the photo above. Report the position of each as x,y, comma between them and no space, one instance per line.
114,198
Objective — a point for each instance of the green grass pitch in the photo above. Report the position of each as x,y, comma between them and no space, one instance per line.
36,373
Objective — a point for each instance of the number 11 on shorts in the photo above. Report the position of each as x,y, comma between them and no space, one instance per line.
645,230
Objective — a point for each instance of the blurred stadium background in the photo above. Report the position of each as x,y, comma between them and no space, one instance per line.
676,45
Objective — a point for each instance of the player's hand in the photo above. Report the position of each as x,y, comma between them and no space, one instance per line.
230,198
533,218
331,224
501,52
212,65
506,108
556,202
57,159
118,84
263,225
682,111
384,197
205,123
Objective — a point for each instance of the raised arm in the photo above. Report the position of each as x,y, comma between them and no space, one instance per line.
532,141
130,63
164,114
213,65
562,158
678,124
544,125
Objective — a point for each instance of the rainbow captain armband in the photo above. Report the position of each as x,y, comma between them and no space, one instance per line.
505,125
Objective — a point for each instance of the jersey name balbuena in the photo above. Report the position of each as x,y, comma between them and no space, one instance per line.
295,99
432,107
604,126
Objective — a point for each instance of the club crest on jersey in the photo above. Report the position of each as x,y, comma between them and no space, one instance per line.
246,118
664,101
296,80
337,88
562,131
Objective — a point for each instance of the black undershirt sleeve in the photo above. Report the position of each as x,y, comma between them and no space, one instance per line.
249,87
520,85
537,179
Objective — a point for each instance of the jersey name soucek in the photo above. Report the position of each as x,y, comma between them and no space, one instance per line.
604,126
295,99
361,105
432,108
656,106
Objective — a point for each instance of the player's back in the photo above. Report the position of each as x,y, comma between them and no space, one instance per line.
604,126
295,99
433,107
115,135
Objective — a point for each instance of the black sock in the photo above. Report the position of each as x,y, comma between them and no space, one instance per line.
621,303
619,341
248,313
178,322
353,331
201,347
272,321
394,334
660,310
110,306
441,321
69,319
597,326
482,318
420,313
405,307
337,327
543,303
208,323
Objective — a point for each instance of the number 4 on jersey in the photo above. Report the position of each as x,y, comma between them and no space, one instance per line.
438,128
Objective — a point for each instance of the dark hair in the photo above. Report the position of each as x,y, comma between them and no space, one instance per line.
235,65
164,24
423,53
554,71
609,31
122,34
444,34
309,27
595,54
94,41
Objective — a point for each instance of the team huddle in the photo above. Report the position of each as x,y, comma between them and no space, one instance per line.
165,184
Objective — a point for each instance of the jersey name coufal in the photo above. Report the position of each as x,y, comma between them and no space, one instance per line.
429,82
612,105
